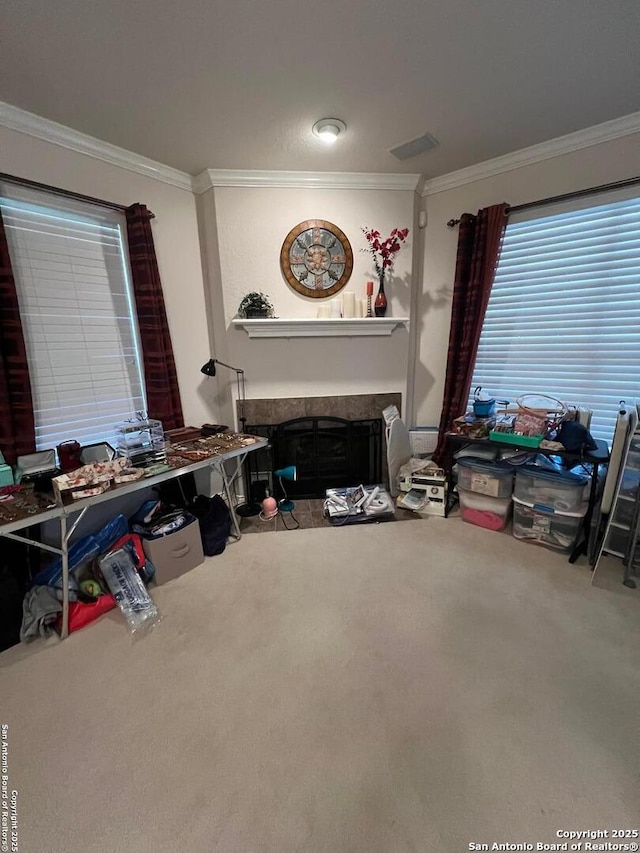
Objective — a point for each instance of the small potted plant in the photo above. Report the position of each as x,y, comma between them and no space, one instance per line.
255,304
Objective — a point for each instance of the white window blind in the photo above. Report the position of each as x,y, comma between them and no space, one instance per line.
564,313
71,273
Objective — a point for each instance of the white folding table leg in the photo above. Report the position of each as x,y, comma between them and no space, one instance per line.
65,536
229,497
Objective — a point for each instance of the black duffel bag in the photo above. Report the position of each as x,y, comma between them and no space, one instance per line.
214,519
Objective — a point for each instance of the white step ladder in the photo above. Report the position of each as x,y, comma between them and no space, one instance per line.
622,530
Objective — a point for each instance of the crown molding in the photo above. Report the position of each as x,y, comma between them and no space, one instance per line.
15,118
303,180
22,121
595,135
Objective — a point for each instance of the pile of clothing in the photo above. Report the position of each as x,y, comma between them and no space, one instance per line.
106,569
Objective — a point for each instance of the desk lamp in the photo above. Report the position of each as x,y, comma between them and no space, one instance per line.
249,508
209,369
289,473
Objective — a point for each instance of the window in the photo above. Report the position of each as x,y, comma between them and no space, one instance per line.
71,272
564,313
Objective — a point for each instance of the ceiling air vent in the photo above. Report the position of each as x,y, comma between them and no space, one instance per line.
414,147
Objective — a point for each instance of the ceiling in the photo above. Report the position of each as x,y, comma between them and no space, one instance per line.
237,84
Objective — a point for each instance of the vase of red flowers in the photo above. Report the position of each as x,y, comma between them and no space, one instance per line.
383,253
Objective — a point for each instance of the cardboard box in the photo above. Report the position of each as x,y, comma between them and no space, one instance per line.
176,553
88,480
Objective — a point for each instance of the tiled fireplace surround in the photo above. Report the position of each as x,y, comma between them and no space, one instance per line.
347,406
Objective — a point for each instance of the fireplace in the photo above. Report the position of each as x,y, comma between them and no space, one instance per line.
332,441
327,452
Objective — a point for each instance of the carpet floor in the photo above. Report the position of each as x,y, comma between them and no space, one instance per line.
390,688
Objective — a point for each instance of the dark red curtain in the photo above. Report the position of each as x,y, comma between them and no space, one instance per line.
17,429
479,243
163,396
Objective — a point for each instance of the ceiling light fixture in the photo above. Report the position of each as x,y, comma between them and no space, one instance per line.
329,129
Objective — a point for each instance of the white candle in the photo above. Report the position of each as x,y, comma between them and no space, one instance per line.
348,304
359,312
362,307
324,311
336,308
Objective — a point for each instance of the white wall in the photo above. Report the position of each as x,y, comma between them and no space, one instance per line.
251,225
176,240
589,167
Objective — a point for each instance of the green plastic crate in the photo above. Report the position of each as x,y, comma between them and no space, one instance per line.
512,438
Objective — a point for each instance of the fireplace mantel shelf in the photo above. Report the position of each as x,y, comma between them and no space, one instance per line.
320,327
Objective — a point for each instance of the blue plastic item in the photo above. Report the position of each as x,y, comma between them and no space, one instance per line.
83,551
499,467
111,532
146,513
560,478
483,407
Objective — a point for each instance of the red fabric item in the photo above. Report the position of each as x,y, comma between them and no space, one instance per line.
17,429
161,380
479,243
483,518
136,540
81,614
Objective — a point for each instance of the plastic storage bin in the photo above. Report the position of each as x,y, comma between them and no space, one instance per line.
483,510
552,489
542,526
141,441
485,478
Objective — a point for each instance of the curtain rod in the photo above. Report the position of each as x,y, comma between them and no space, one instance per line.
12,179
628,182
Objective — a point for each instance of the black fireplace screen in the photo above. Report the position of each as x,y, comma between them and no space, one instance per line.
327,452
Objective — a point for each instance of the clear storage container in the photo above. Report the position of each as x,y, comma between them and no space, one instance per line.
141,441
542,526
483,510
485,478
562,492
